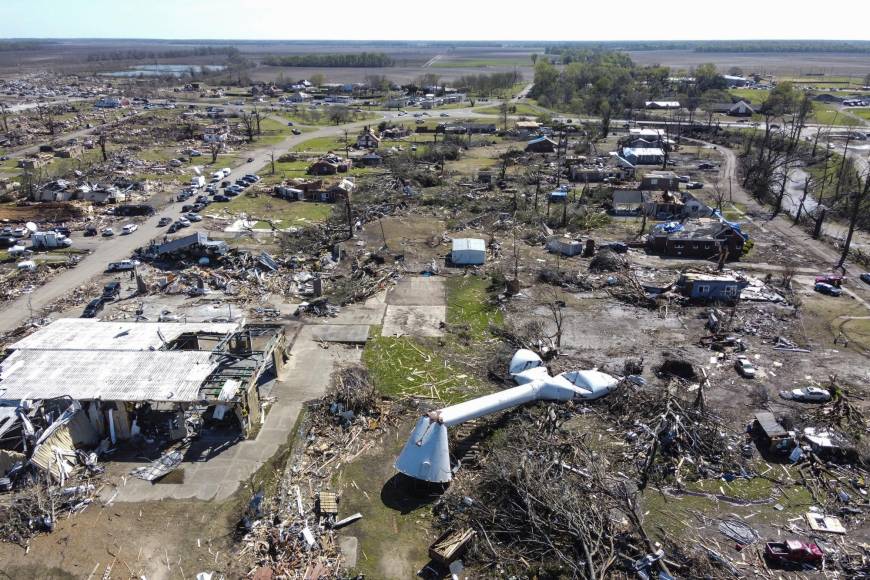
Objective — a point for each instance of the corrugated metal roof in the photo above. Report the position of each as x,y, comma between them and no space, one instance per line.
460,244
80,334
105,375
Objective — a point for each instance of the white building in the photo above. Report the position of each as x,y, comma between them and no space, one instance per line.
468,251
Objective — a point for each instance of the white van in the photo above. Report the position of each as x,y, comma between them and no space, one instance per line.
197,181
225,172
217,176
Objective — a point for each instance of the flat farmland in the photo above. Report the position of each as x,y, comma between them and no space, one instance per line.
778,63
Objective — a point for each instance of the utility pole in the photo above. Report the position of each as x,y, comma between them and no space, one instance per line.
273,162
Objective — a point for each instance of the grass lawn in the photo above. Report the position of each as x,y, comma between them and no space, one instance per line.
272,132
323,144
403,366
863,113
480,62
753,96
826,115
468,305
319,116
285,213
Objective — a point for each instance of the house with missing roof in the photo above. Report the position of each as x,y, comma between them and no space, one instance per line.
156,377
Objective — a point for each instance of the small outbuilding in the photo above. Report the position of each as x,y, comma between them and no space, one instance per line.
541,145
468,252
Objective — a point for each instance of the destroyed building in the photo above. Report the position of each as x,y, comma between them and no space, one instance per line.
125,375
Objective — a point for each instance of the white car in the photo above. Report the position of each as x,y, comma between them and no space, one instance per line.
184,222
129,229
807,395
194,217
744,367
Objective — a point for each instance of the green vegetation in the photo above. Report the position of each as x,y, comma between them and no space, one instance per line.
272,132
280,211
752,96
826,115
402,366
303,115
468,305
479,62
323,144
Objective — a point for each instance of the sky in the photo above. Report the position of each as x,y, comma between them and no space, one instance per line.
434,19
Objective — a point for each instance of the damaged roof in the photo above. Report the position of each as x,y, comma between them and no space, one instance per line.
78,334
105,375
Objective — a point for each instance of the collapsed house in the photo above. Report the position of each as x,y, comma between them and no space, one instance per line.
711,287
126,378
196,244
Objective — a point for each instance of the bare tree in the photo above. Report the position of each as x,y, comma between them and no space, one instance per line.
858,199
215,148
719,194
4,111
46,115
248,125
103,140
256,114
555,307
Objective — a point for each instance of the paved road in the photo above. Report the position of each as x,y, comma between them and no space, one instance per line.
118,248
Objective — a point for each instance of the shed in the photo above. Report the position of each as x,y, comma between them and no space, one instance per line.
468,251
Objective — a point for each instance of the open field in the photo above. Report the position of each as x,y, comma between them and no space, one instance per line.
796,65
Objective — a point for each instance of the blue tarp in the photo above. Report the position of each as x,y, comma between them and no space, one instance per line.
669,227
733,225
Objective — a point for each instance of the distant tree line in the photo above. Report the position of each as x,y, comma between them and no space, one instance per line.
8,45
853,46
487,84
134,54
357,60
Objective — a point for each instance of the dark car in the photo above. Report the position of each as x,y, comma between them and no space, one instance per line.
865,277
164,221
221,198
618,247
90,231
226,183
197,207
93,308
111,290
297,132
828,289
63,230
202,199
242,183
186,208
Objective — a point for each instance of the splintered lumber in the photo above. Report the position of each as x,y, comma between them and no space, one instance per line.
450,545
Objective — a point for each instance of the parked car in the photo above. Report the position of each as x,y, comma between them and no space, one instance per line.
250,159
694,185
835,280
444,115
193,217
111,290
63,230
296,132
108,232
122,266
289,123
129,229
221,198
807,395
618,247
197,207
865,277
174,228
187,208
93,308
684,178
823,288
164,221
183,222
226,183
744,367
202,199
90,231
706,165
